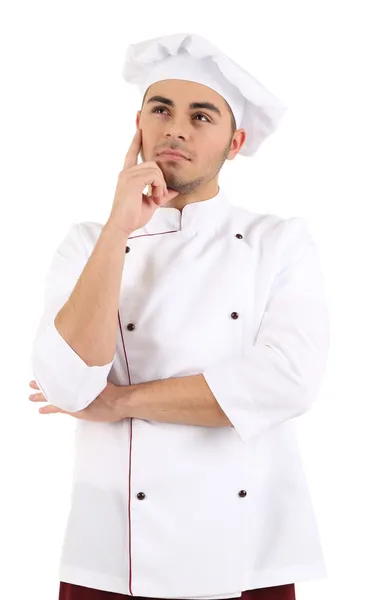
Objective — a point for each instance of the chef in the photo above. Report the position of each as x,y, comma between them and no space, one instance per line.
185,349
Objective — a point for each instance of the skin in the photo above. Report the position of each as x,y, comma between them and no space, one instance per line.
205,136
108,406
209,140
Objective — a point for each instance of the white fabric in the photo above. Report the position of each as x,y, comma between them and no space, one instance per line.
193,535
192,57
200,70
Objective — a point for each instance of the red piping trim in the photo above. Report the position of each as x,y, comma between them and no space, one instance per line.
131,435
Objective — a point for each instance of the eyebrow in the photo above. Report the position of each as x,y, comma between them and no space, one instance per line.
207,105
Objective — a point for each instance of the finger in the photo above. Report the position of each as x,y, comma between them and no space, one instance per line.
37,398
50,409
131,158
155,183
169,196
34,385
166,197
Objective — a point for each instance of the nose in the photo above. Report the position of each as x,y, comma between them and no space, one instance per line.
175,128
169,134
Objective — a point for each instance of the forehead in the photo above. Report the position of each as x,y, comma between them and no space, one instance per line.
184,92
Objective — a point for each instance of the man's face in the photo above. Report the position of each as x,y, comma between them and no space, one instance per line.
203,134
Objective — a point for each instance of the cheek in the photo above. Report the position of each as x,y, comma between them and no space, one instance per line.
209,152
146,148
150,140
210,143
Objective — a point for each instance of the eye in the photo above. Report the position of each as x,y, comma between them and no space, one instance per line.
196,115
158,108
201,115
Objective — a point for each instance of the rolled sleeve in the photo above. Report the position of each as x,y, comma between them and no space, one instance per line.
61,374
279,377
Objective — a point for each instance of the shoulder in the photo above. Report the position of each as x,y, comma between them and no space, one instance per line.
270,226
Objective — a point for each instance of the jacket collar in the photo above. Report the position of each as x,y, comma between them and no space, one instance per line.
195,217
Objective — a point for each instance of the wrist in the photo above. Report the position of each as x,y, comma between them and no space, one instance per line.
115,229
124,400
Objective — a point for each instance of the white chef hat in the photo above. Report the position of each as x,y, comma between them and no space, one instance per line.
191,57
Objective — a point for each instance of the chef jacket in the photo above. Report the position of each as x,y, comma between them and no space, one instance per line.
171,510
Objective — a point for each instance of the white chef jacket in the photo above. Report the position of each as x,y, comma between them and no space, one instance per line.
171,510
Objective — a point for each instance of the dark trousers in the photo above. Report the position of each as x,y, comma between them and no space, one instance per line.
70,591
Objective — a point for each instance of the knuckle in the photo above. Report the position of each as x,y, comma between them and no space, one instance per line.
154,164
124,174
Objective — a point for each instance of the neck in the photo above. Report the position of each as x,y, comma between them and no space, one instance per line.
202,193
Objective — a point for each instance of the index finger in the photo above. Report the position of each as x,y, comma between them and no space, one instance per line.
131,158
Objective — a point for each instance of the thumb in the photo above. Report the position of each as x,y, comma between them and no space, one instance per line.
169,196
163,199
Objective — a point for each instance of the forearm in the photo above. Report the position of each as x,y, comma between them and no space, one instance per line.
88,320
187,400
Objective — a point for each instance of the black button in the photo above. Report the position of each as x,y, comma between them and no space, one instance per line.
234,315
141,496
127,249
239,236
242,493
131,326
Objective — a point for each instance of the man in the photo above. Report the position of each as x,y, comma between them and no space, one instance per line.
185,335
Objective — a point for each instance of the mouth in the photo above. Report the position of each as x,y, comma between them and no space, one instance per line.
171,156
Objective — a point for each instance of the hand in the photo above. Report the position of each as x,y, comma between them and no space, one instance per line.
108,406
131,208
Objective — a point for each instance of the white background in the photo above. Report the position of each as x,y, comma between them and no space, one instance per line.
66,120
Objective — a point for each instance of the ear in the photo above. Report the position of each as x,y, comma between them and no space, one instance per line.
238,140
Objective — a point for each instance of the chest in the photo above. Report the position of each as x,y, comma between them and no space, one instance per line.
188,300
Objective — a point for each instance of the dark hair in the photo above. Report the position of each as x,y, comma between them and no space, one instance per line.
233,123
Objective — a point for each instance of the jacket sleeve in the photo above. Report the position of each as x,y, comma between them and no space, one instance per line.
63,377
279,377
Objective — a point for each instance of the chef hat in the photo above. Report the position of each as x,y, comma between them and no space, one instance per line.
193,58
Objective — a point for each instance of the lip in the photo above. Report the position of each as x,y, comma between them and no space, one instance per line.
172,154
